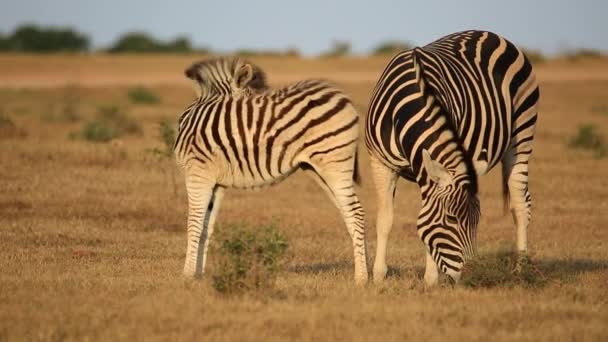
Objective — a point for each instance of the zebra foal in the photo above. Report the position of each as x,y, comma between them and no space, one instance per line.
440,116
239,133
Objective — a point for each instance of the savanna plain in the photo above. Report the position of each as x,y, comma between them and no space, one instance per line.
93,234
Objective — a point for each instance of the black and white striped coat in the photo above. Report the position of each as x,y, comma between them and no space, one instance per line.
440,116
241,134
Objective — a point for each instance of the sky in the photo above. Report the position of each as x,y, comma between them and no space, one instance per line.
312,26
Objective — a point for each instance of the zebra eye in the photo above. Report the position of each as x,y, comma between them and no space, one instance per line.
451,219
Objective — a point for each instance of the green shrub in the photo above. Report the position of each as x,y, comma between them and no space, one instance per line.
167,137
588,138
247,258
110,123
143,95
98,131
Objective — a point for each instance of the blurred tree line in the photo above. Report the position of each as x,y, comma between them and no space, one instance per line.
33,38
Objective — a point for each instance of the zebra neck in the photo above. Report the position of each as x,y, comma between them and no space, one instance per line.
439,138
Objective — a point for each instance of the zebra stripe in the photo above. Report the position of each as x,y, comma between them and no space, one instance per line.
241,134
442,115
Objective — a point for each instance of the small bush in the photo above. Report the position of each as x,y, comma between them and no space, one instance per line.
167,137
588,138
143,95
110,123
247,258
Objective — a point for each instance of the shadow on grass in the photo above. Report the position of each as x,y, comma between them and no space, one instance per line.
505,269
323,268
498,269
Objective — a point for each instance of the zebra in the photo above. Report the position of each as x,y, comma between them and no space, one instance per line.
239,133
441,116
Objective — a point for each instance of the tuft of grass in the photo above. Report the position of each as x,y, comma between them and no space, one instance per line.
505,269
247,258
588,138
110,123
143,95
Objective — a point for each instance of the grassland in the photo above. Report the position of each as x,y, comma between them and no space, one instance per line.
92,235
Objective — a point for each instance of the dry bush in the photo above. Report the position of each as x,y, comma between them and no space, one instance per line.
247,258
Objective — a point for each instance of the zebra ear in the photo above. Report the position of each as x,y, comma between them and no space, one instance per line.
193,73
244,75
437,172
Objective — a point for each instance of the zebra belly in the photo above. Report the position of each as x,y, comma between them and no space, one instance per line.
244,177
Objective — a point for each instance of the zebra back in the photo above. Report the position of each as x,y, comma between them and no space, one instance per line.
247,135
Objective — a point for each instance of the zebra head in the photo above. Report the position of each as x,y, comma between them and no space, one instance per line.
449,216
226,76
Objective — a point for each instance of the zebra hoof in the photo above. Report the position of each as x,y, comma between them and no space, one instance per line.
379,275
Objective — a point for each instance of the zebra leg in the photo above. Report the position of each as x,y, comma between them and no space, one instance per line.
200,194
431,272
209,222
340,187
515,173
385,180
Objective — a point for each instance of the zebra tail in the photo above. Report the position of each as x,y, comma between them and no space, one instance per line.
505,189
356,173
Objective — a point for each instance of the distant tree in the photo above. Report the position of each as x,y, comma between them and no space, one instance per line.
179,44
391,47
338,48
31,38
143,42
534,56
5,43
136,42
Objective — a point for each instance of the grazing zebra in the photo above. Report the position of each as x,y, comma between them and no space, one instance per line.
241,134
440,116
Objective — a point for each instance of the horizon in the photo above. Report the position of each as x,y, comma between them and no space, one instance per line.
550,27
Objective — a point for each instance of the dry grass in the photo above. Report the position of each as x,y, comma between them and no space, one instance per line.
92,236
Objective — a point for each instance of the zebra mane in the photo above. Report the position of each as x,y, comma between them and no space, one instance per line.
473,186
216,75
